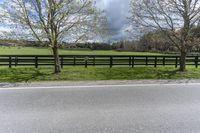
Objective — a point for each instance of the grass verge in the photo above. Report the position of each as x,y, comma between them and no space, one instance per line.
22,74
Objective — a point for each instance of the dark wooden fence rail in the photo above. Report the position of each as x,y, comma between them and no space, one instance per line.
96,60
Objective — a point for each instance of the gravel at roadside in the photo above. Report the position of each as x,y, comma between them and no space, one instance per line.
88,83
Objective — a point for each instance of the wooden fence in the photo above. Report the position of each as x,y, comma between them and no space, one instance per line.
96,60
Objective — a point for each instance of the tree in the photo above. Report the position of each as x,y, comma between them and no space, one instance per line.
175,18
54,21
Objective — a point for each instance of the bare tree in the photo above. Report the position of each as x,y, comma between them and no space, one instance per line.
54,21
176,18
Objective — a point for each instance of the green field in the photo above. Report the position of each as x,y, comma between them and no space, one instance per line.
46,51
30,74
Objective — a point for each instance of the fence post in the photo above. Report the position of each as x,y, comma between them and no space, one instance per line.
86,64
164,61
61,61
94,61
146,60
155,63
196,61
74,60
111,61
36,62
10,61
176,62
133,61
129,61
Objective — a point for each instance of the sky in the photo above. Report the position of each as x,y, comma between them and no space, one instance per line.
117,13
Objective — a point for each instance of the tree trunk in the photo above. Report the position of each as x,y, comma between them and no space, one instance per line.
57,67
183,61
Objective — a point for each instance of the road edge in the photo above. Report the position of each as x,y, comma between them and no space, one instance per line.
98,83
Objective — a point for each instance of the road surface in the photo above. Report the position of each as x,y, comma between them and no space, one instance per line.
101,109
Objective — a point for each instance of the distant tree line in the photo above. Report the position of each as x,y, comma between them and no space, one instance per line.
155,41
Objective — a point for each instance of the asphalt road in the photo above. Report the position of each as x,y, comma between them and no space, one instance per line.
117,109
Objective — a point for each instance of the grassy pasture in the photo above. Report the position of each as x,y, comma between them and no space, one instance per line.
46,51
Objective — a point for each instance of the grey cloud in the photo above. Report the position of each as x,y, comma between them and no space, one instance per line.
116,12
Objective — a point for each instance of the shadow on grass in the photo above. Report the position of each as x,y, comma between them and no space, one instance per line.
168,74
21,75
94,73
